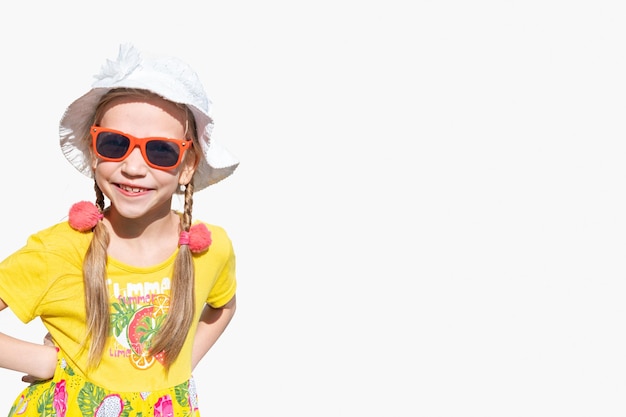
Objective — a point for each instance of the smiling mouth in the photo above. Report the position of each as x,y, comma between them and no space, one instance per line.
131,189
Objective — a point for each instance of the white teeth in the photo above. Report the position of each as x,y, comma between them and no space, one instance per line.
131,189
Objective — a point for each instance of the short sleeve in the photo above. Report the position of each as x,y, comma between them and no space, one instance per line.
225,284
24,279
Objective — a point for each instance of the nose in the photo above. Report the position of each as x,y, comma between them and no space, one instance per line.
134,165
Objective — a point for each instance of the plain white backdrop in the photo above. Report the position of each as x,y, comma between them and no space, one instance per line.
429,215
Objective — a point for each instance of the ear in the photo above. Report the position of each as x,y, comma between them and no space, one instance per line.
188,168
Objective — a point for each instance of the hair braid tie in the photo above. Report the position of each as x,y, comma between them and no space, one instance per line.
84,216
198,238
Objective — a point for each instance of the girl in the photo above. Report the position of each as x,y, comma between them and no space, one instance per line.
133,294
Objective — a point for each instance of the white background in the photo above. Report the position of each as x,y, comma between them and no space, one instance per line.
429,214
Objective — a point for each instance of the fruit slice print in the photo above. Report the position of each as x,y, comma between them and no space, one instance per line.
161,304
142,327
111,406
142,361
134,328
136,332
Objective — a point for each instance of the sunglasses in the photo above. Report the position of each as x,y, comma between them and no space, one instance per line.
160,153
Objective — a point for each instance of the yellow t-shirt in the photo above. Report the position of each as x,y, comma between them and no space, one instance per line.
44,279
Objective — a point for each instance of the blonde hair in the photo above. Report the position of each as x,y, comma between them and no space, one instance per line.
172,334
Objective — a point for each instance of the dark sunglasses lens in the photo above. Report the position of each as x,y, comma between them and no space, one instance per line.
112,145
162,153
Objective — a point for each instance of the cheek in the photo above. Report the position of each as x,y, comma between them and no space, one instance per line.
102,171
167,179
100,179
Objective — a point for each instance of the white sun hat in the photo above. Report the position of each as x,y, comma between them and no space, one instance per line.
167,77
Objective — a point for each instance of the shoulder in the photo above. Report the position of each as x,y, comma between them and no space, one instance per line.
47,254
217,232
220,240
59,238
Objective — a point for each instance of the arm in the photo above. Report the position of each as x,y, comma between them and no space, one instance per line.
33,359
213,322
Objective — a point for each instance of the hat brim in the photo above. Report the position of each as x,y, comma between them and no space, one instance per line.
216,163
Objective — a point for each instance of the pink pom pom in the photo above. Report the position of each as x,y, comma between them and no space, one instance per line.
199,238
84,216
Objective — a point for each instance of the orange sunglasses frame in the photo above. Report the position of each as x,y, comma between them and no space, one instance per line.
182,145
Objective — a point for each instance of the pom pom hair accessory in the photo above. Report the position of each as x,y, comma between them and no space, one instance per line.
84,216
198,238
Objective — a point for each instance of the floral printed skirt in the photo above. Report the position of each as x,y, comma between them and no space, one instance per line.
71,395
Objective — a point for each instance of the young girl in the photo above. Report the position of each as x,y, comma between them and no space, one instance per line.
132,294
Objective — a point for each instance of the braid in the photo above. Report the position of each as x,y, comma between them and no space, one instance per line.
187,216
96,292
99,197
172,335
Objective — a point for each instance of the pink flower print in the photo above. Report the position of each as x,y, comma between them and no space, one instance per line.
60,398
163,407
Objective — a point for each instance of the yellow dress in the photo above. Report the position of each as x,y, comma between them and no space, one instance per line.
68,394
44,280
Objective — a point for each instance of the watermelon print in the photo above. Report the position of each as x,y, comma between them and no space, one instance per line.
135,326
